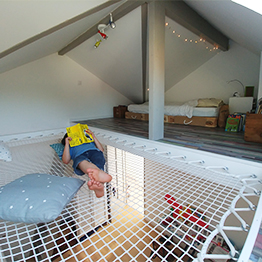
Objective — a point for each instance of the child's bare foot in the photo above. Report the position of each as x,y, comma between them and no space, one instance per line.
98,175
97,187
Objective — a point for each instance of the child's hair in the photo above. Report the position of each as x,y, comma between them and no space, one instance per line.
63,139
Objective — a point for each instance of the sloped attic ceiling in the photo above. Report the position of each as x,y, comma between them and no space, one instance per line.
53,39
118,60
240,24
185,52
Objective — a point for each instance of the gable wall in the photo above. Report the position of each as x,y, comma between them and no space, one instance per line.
210,79
48,93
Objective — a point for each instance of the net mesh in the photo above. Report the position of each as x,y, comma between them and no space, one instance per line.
157,208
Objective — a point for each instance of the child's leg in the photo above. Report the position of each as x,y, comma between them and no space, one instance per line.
94,172
92,184
84,165
97,187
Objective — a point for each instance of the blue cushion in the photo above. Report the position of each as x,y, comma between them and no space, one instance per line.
37,198
59,149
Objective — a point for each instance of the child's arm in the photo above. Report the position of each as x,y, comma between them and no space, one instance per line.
97,143
66,154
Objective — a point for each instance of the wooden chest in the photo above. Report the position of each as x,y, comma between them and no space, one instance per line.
253,128
119,111
137,116
194,121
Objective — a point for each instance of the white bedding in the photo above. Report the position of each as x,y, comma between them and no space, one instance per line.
188,109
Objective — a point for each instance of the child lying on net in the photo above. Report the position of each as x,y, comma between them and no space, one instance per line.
88,158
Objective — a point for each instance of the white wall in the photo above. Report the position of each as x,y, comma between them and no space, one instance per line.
210,79
48,93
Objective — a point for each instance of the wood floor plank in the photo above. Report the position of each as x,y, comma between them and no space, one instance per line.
214,140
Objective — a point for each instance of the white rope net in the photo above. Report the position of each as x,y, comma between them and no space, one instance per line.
158,207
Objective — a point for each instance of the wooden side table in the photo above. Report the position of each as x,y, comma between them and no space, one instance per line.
119,111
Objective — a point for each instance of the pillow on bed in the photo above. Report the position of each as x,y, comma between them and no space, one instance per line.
37,198
191,103
59,149
5,153
209,102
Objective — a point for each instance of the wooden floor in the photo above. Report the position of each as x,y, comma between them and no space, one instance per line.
214,140
113,239
113,242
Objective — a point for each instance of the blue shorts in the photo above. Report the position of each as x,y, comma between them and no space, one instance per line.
93,156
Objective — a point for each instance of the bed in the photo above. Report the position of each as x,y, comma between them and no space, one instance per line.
199,112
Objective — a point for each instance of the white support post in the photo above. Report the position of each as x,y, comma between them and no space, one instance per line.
259,91
156,69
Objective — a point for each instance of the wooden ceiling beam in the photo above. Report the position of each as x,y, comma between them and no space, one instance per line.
118,13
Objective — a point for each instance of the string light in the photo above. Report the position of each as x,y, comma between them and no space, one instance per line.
196,41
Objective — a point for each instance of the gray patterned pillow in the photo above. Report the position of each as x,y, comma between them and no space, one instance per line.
37,198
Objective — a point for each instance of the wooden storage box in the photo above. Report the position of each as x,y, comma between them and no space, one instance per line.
137,116
194,121
119,111
253,128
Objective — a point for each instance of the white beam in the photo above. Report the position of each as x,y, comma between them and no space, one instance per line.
156,69
259,93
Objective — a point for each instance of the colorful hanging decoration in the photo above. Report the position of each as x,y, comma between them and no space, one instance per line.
101,30
96,45
103,35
